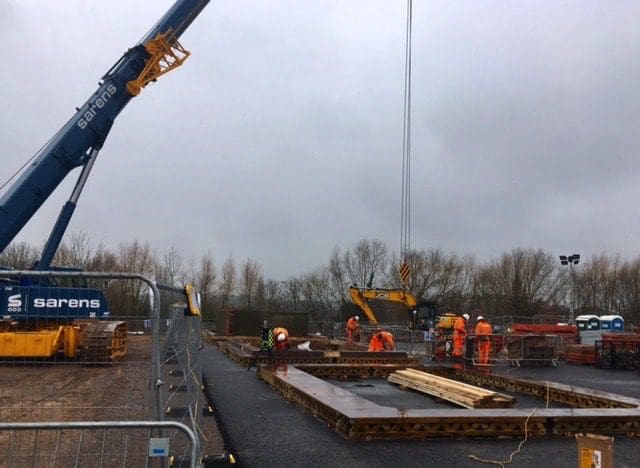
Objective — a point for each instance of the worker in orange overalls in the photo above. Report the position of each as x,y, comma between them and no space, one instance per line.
459,335
389,341
382,341
281,336
483,331
353,329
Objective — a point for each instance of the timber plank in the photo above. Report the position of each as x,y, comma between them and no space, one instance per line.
459,393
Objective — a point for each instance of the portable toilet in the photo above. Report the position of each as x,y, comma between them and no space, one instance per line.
587,322
612,323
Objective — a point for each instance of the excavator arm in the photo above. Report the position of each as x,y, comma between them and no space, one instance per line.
361,296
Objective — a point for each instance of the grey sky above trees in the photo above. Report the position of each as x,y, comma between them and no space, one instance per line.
281,136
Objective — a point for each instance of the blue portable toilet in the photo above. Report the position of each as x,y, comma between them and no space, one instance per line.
612,323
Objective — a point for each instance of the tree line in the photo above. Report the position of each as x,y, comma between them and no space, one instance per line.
523,282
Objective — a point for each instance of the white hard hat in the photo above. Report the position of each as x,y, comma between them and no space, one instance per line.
480,317
465,316
281,337
357,318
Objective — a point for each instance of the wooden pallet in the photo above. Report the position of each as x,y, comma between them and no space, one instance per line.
461,394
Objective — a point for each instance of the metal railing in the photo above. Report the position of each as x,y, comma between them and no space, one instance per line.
91,443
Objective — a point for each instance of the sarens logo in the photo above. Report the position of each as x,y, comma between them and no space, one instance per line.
96,105
52,303
15,303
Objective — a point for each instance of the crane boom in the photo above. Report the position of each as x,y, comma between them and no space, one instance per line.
79,140
39,318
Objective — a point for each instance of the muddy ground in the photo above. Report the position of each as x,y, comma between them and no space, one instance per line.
71,391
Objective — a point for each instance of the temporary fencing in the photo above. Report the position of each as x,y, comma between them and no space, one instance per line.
514,349
415,342
159,378
331,329
618,351
93,444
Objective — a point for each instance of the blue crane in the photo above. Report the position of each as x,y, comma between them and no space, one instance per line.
76,145
78,142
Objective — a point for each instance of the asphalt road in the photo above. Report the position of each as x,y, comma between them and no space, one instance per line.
261,429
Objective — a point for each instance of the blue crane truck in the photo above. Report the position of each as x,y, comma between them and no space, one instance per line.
40,319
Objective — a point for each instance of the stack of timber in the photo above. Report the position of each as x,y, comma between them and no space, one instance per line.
580,354
461,394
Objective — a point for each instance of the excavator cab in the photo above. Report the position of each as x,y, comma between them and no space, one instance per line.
425,316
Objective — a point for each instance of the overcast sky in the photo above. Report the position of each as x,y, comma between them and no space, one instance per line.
281,136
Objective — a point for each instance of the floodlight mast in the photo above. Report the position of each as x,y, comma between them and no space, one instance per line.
570,260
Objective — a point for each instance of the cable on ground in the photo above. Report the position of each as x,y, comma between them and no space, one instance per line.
521,444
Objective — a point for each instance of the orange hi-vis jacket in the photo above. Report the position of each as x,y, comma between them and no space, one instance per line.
483,328
382,341
352,325
376,343
460,326
389,342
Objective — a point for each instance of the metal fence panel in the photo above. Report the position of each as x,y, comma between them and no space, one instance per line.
95,444
514,350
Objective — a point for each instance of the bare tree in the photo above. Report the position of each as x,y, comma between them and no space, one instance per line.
596,284
522,282
367,263
435,276
228,282
129,297
103,260
338,282
19,255
261,294
316,297
250,276
274,295
171,271
205,279
629,290
292,293
78,252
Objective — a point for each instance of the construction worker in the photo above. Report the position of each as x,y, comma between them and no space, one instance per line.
459,335
382,341
353,329
281,336
389,341
483,331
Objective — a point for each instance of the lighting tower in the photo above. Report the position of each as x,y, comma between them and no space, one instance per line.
570,260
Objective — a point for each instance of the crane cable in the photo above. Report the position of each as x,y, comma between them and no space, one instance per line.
405,210
15,174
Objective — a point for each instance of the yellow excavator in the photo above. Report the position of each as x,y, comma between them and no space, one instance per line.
422,315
